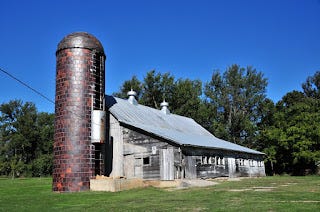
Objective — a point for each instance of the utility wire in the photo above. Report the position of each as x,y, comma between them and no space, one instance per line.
26,85
39,93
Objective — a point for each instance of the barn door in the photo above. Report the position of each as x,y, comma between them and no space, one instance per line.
138,171
191,167
129,166
167,164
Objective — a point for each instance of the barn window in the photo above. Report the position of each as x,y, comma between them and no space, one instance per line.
221,161
204,160
213,160
154,150
241,162
146,161
198,162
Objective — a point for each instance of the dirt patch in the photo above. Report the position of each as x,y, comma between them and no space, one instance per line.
253,189
240,190
264,189
288,184
184,184
197,183
225,179
192,209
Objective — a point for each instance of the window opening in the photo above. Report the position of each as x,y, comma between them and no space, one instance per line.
146,161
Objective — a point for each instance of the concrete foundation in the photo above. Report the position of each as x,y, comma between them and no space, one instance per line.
115,185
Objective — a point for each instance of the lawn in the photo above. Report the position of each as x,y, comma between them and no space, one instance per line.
280,193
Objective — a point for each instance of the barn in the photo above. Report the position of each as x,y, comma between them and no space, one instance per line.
96,134
152,144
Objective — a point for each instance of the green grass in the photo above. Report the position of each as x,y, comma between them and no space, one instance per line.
259,194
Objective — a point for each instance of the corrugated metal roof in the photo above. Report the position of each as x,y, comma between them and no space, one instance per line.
175,128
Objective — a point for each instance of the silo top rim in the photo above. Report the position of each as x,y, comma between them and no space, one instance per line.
80,40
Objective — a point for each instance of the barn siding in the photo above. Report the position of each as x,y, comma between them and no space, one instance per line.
116,136
167,164
189,164
212,171
196,168
139,155
145,146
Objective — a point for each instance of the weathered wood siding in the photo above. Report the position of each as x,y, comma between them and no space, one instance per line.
247,167
212,163
212,170
190,165
137,154
150,152
116,137
200,167
167,164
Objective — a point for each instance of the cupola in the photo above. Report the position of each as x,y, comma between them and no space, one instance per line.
132,97
164,107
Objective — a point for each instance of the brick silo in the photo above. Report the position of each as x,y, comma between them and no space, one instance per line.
79,111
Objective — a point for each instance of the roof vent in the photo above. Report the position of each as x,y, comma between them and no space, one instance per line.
132,97
164,107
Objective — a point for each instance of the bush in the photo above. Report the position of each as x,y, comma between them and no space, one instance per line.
42,166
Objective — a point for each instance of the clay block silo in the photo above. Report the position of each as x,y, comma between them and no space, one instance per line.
80,89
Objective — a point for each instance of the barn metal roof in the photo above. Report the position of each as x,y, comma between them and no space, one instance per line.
179,129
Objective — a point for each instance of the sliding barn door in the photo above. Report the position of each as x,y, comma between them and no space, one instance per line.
167,164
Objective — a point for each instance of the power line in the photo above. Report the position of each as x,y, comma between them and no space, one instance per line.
39,93
26,85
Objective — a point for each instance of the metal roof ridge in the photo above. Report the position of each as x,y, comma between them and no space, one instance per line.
173,134
154,109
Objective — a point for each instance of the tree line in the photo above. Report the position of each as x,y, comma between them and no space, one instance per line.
232,105
26,140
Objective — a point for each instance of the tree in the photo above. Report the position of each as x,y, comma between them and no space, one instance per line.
156,88
46,131
25,135
133,84
232,106
236,98
267,143
294,136
183,95
187,98
311,87
18,134
42,165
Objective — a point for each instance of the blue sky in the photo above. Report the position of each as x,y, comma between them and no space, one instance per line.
189,39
